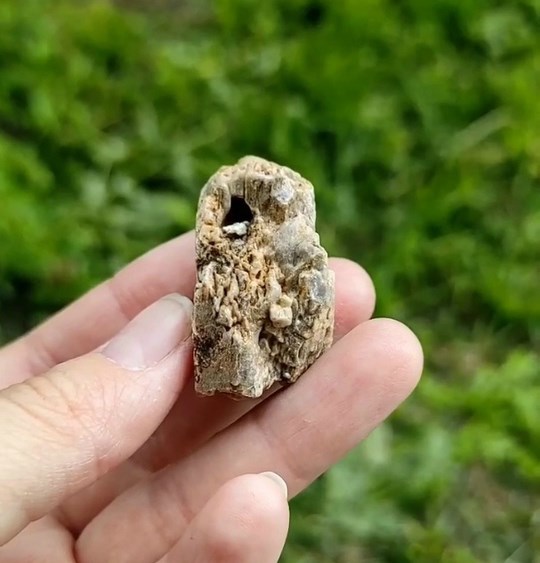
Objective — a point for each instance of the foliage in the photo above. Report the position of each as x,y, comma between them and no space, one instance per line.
418,123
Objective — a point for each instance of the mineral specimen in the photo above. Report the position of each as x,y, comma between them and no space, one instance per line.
264,298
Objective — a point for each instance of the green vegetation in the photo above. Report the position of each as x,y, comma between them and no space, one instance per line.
418,121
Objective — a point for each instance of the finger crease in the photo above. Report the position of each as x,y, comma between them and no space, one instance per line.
275,445
170,508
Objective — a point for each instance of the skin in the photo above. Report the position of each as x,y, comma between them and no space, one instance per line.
102,463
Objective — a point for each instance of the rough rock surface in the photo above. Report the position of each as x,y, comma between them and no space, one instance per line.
264,298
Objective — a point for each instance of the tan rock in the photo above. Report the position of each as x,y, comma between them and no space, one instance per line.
264,299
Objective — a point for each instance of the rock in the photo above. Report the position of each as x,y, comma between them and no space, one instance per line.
264,298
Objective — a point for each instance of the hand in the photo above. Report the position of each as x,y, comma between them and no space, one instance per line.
106,453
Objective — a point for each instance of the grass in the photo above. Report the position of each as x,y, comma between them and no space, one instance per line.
418,123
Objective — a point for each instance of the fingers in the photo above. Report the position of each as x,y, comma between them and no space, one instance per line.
246,521
299,432
194,419
44,541
63,430
355,296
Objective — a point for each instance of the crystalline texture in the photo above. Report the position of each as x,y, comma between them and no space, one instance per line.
264,299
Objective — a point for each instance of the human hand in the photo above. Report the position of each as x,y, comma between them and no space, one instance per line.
107,454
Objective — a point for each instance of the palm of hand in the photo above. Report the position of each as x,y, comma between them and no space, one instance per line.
188,490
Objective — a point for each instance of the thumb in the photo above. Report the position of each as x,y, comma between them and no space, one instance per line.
63,430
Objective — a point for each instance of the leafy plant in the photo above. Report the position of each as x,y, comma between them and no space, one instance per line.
419,125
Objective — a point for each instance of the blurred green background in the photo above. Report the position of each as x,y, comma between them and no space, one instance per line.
418,121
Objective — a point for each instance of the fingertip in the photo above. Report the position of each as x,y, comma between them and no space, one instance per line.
402,351
260,496
355,295
379,363
278,480
246,520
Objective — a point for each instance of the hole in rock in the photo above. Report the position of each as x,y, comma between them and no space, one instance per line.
238,213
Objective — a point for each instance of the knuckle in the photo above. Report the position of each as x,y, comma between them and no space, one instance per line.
57,410
169,507
43,404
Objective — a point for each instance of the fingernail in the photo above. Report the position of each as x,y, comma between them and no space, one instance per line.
152,335
277,479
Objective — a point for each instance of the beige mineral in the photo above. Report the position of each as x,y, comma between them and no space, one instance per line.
264,298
